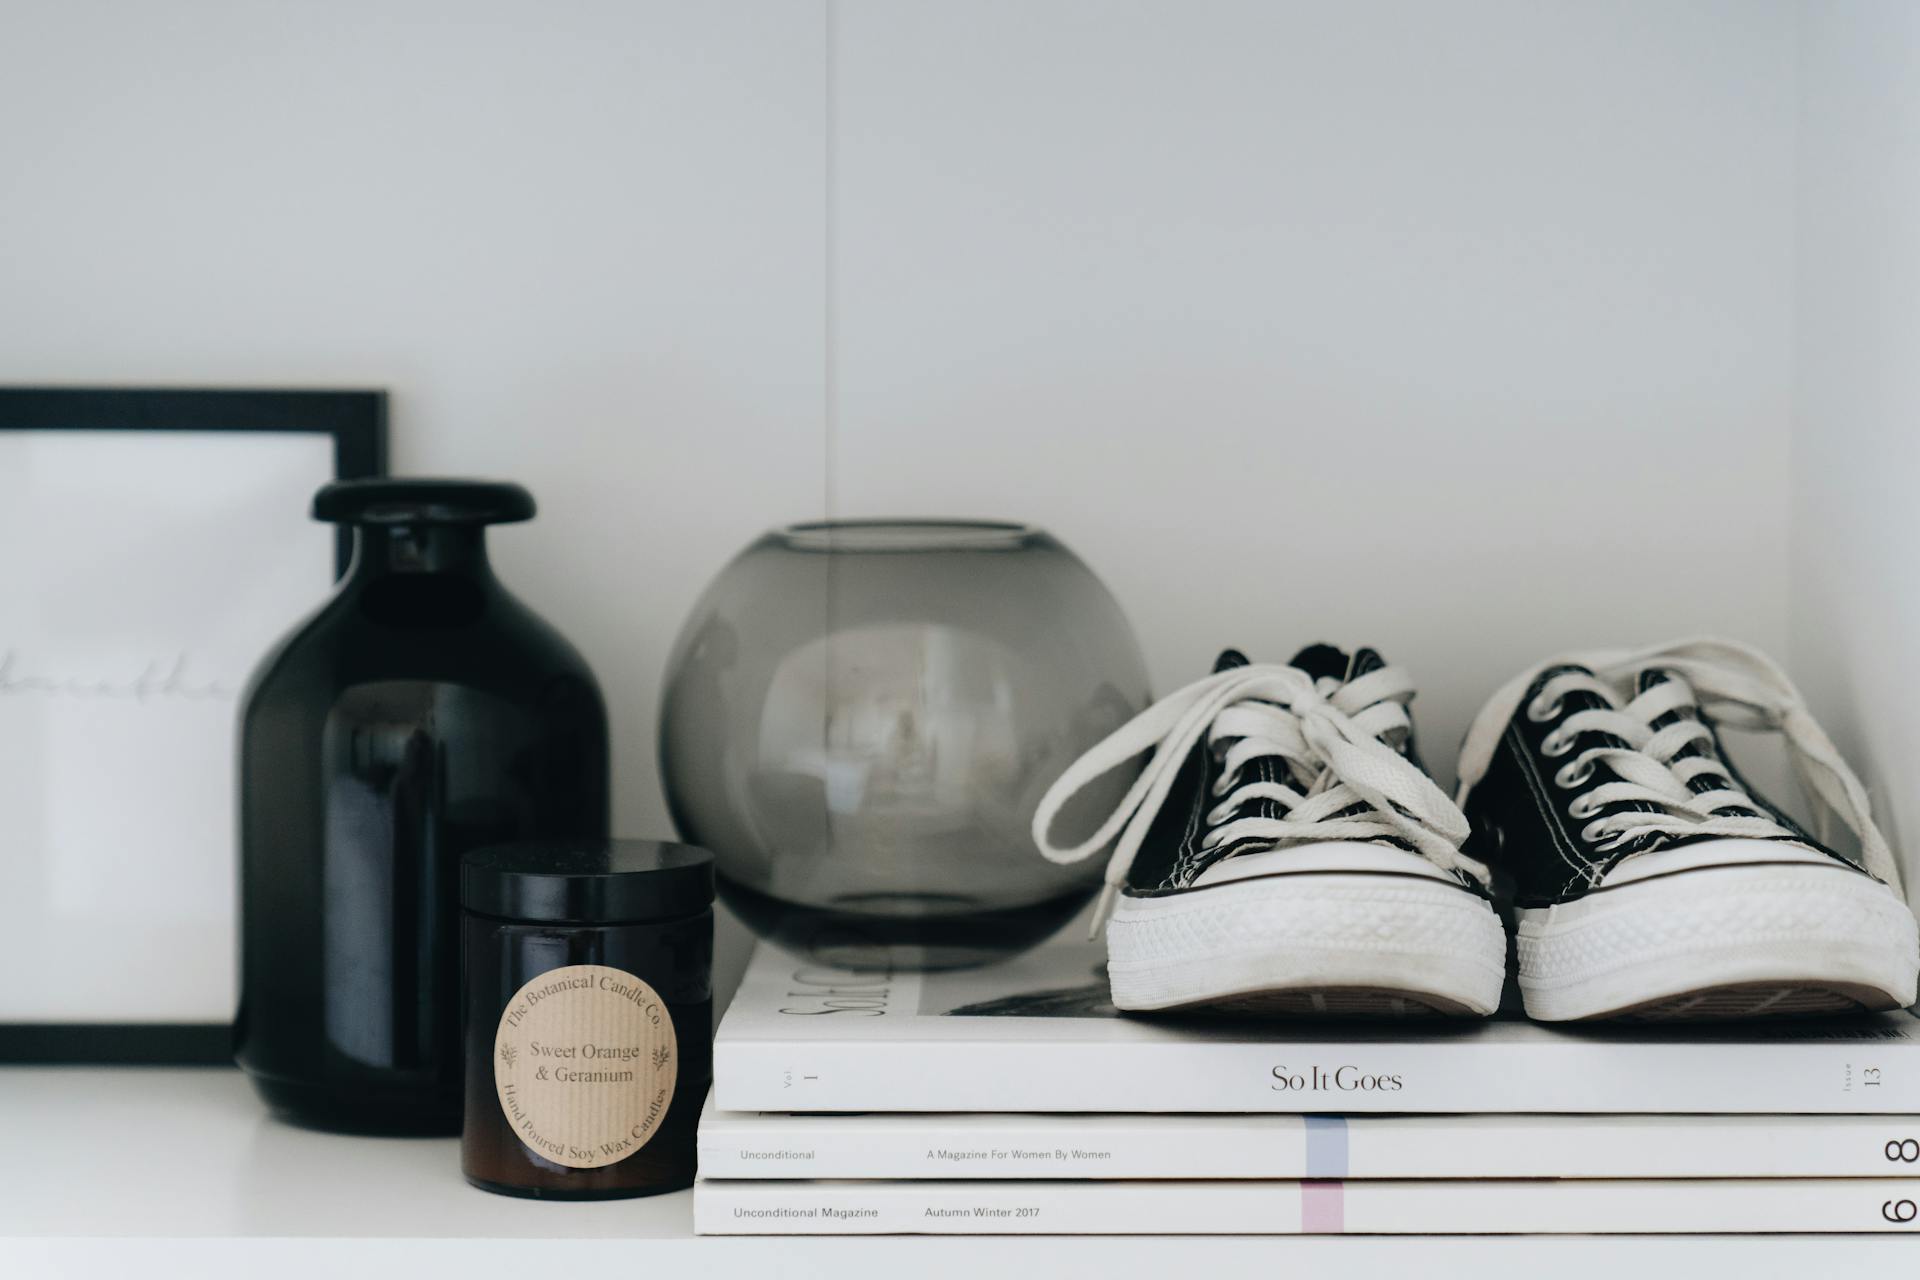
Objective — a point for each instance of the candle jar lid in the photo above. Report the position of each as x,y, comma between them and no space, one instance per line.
590,882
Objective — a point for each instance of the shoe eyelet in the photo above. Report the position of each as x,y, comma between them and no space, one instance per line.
1593,837
1219,814
1573,774
1553,746
1581,807
1540,715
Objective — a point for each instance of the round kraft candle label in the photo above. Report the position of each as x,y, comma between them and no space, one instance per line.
584,1062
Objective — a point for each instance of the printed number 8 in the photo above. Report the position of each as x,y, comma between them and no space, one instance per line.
1899,1211
1904,1150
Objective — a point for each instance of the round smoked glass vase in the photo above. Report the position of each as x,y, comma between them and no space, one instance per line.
860,718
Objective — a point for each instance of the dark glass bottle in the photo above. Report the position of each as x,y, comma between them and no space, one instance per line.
421,713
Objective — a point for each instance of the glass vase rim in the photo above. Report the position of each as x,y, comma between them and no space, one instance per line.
907,534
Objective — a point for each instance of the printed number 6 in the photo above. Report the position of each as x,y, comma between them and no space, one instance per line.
1899,1210
1904,1150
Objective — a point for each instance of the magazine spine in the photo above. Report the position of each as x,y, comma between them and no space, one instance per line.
1305,1208
946,1147
1825,1078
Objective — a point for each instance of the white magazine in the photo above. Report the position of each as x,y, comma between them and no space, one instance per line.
1305,1208
1038,1034
934,1145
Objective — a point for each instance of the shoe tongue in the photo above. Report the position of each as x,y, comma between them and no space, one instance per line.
1228,660
1323,662
1578,700
1559,669
1653,679
1700,783
1365,660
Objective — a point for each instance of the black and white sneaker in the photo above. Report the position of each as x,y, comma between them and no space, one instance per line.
1284,851
1649,880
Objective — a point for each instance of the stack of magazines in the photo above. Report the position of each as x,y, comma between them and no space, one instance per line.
1014,1099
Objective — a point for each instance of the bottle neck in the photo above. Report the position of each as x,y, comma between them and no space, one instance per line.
393,550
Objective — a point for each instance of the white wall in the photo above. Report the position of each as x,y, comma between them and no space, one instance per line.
1463,330
1856,606
578,241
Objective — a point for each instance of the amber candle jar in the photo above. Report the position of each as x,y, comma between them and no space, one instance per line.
588,1016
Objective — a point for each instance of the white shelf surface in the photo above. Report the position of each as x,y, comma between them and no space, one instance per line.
181,1172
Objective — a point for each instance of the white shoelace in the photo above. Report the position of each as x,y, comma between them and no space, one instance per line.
1330,737
1737,686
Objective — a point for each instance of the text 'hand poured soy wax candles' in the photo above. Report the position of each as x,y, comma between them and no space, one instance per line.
589,1009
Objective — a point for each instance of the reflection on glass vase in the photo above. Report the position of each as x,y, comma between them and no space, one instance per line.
860,718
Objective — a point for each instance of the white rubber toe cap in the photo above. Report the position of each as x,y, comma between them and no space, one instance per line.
1712,936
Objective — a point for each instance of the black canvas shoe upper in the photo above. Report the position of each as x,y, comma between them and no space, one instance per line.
1201,816
1546,789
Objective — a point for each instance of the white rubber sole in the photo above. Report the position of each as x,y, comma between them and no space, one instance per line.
1721,942
1315,944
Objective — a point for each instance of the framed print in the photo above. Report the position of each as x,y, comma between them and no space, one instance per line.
153,546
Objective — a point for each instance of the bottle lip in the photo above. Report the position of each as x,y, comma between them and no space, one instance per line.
884,535
415,500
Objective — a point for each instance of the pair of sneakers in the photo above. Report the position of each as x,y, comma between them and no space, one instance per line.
1284,851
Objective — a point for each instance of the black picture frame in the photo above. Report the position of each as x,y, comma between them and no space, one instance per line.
356,420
